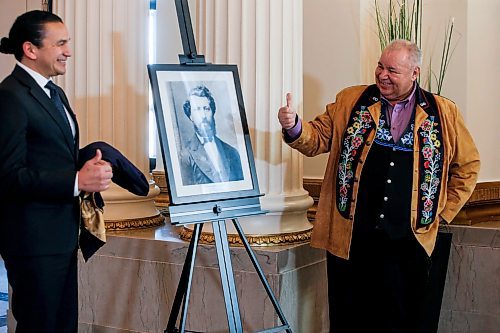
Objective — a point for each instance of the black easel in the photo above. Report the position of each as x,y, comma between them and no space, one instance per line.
198,213
190,56
48,4
227,281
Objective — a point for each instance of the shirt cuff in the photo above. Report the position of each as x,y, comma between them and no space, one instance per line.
76,192
293,133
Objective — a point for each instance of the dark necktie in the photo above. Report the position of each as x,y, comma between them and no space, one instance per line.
56,99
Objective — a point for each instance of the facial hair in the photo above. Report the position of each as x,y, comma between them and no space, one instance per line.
206,129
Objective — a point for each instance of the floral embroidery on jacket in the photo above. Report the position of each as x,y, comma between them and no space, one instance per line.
430,151
407,138
431,156
384,136
354,139
383,132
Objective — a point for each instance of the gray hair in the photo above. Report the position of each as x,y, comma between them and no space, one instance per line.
413,50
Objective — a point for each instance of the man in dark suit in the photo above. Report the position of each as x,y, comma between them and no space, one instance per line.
204,157
39,179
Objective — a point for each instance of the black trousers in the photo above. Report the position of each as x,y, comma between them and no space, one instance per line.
380,288
44,292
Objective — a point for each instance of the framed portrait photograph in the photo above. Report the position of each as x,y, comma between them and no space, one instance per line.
203,132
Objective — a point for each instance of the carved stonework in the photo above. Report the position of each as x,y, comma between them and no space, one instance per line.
138,223
483,205
162,201
255,240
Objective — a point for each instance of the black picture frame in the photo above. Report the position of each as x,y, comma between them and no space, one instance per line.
182,149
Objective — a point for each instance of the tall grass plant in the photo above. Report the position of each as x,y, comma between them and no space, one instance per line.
403,20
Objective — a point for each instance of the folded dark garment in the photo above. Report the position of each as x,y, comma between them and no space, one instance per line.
92,228
125,174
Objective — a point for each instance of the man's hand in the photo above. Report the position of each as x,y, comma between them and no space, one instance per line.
95,175
286,115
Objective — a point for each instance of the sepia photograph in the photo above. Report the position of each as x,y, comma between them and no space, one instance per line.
203,132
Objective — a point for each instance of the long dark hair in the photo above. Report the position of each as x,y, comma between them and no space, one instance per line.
28,27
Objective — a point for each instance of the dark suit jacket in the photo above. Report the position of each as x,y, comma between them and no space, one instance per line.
196,167
38,165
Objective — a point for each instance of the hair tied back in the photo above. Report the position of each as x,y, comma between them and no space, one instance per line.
6,46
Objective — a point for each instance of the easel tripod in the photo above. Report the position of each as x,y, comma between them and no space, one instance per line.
227,280
217,212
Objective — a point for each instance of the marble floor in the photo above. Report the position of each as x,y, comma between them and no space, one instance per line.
4,302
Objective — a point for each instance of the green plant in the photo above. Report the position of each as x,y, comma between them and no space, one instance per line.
403,20
445,57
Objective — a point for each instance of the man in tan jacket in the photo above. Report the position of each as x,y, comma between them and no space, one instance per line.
401,162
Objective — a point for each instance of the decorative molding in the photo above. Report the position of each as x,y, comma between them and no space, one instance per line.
313,186
482,206
163,200
137,223
487,192
255,240
161,180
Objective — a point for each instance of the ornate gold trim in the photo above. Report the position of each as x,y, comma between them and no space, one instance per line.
255,240
487,192
161,180
482,206
137,223
162,200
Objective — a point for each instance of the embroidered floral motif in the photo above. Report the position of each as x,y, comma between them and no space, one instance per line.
407,138
431,155
430,152
384,137
353,141
383,132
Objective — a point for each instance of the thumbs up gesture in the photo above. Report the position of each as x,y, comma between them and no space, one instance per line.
286,115
95,175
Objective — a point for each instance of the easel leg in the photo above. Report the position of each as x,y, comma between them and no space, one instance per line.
184,286
227,277
261,275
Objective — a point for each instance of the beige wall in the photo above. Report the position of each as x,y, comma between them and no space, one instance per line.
331,57
10,9
482,71
341,49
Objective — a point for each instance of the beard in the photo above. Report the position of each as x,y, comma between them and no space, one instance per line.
206,129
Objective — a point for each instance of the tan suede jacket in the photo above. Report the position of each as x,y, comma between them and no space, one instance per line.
324,134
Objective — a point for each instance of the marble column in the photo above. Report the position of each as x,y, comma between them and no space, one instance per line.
107,84
264,38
